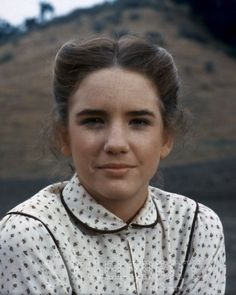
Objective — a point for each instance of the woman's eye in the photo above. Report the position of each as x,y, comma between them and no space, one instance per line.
92,122
139,122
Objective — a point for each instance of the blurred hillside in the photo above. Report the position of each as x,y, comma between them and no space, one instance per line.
207,73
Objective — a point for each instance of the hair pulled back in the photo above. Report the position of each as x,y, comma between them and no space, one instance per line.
74,61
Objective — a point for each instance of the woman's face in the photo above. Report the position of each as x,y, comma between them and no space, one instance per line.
115,134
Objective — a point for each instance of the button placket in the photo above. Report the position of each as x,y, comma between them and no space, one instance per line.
137,253
133,267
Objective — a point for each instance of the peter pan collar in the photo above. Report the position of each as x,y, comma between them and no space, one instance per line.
92,215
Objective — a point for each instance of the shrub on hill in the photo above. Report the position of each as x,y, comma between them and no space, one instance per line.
6,57
120,33
98,26
114,18
7,31
193,35
134,16
156,37
128,4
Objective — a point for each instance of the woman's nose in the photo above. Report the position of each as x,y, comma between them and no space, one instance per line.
116,140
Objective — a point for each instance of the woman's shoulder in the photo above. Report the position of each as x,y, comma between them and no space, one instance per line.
39,202
172,206
29,251
39,209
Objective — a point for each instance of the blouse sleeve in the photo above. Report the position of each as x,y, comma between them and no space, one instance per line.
30,262
206,271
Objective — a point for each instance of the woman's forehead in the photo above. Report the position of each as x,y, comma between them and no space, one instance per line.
117,89
112,84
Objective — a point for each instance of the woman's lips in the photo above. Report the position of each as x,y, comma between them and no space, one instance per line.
116,169
115,166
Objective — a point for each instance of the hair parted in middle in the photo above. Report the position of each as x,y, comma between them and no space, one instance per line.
75,61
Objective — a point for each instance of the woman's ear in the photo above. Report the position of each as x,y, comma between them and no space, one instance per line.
63,141
167,145
65,150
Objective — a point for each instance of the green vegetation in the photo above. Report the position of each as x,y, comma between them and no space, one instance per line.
6,57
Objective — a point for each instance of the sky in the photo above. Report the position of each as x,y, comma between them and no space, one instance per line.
15,11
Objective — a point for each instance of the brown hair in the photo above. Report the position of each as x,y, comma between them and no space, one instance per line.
75,60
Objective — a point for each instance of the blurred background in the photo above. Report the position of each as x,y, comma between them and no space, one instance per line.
201,35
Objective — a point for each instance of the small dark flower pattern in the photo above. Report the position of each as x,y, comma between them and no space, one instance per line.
61,241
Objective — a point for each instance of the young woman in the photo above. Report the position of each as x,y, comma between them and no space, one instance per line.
107,231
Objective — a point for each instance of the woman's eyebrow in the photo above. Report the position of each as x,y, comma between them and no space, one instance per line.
91,112
99,112
143,112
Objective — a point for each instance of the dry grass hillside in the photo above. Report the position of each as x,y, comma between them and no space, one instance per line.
208,83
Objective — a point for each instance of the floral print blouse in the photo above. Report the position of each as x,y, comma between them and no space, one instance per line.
61,241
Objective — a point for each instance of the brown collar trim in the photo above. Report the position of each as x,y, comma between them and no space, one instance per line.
148,225
86,225
107,231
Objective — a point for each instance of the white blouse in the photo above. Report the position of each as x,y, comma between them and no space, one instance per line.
61,241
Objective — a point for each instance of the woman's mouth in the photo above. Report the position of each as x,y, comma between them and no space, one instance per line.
116,169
